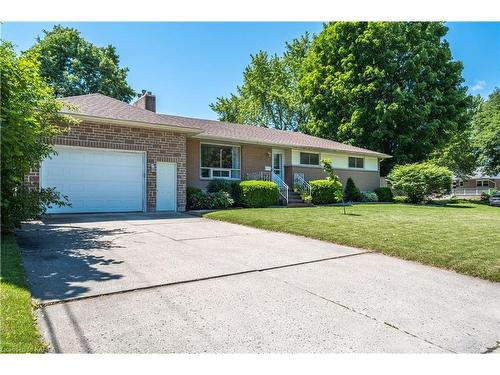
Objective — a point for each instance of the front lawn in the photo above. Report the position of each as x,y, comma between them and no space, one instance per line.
463,237
18,331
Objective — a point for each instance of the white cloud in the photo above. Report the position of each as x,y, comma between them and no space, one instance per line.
478,86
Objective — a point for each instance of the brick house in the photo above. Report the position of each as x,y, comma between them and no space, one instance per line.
475,184
123,157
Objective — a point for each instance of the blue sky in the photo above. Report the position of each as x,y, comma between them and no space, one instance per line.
188,65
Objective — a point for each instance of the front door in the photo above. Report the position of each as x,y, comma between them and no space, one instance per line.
278,164
166,186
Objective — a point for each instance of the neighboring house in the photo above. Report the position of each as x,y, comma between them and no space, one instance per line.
125,157
475,185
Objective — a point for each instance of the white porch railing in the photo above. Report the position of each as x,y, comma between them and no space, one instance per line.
301,185
259,175
282,187
469,192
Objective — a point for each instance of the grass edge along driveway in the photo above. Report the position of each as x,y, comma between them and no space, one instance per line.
461,237
18,330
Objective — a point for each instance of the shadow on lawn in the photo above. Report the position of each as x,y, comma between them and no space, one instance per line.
56,257
449,205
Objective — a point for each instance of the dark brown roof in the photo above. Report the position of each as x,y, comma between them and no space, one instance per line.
98,105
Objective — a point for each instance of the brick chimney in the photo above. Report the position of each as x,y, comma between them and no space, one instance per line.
146,101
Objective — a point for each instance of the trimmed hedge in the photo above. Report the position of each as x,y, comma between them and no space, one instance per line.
384,194
258,193
326,191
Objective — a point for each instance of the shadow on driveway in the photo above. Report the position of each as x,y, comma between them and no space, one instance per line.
59,258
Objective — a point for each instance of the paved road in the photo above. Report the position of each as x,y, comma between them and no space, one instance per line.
176,283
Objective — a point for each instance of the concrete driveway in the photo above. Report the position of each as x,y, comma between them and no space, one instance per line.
177,283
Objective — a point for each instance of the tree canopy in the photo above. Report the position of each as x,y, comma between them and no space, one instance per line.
73,66
387,86
29,118
486,133
269,96
460,154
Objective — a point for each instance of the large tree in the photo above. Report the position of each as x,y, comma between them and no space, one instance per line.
30,119
486,133
388,86
460,155
269,96
73,66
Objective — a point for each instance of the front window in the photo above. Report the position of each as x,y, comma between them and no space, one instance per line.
482,183
356,162
218,161
307,158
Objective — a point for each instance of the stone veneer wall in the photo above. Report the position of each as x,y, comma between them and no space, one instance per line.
159,145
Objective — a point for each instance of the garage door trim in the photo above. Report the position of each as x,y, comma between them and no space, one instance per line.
144,163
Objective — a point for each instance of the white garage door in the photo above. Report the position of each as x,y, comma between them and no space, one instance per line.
95,180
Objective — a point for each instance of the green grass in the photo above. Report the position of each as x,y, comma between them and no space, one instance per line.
18,331
463,237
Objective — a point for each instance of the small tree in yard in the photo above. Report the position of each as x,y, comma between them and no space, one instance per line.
29,121
351,192
419,181
328,168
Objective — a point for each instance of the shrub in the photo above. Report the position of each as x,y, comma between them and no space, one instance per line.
369,197
236,192
485,195
29,121
326,191
219,184
384,194
400,199
328,168
31,204
230,187
419,181
259,193
351,192
196,198
306,198
219,199
199,200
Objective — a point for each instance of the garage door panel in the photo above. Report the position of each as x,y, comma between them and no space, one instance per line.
96,180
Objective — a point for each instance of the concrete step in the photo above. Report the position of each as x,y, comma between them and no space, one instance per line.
296,205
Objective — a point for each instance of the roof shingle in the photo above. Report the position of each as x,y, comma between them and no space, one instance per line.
98,105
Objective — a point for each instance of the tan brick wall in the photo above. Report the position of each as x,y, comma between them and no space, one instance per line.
471,184
364,180
159,145
253,159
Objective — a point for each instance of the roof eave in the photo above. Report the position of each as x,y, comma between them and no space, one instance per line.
271,144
